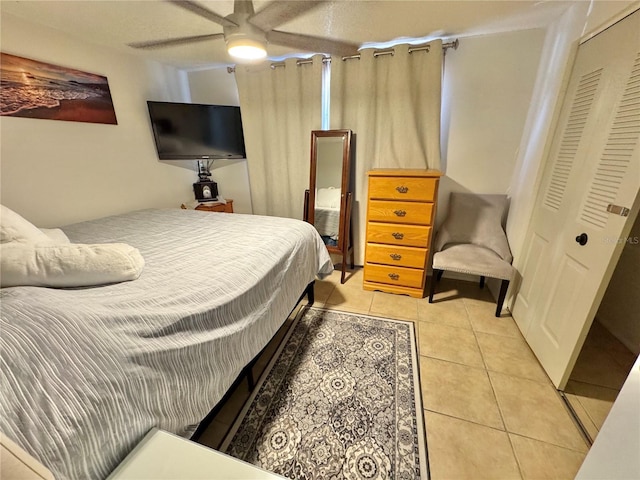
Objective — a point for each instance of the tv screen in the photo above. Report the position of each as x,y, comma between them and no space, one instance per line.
189,131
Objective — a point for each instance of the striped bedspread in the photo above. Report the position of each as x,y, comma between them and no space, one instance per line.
85,373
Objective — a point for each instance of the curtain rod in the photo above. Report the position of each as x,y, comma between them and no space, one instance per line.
387,51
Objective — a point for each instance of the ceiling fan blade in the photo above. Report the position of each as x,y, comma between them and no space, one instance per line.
281,11
203,12
243,6
169,42
312,44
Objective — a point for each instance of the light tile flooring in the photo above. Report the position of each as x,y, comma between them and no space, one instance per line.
601,369
490,410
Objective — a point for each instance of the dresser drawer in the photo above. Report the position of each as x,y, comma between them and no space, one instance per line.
406,277
400,212
415,189
396,255
398,234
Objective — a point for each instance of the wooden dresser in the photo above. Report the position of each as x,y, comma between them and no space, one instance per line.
401,207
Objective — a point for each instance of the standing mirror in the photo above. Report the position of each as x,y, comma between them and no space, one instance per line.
328,200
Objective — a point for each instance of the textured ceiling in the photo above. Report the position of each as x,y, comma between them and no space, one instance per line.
116,23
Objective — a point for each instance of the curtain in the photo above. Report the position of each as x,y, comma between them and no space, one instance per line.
392,104
280,106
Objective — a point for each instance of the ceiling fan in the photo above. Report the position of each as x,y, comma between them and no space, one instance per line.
247,33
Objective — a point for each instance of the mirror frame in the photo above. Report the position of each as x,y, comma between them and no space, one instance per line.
346,170
345,234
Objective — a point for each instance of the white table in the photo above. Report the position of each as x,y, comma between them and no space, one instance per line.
615,454
164,456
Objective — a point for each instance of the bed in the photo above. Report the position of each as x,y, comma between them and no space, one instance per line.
85,373
327,214
327,222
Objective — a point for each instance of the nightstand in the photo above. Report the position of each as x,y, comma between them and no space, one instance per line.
217,207
163,456
214,207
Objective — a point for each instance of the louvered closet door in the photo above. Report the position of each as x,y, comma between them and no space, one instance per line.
593,162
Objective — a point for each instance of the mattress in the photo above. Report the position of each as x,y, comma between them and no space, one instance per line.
85,373
327,221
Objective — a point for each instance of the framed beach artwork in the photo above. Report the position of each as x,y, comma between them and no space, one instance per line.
35,89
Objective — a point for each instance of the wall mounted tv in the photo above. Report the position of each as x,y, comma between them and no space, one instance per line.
189,131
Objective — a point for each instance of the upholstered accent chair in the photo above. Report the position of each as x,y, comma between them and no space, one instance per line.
472,240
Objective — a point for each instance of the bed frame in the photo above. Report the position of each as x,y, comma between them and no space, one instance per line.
247,371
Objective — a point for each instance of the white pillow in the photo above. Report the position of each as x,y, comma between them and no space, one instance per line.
55,235
68,265
14,228
328,197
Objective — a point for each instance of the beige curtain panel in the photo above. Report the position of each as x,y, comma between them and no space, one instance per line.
392,104
280,107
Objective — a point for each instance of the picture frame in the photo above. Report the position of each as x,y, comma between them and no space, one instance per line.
35,89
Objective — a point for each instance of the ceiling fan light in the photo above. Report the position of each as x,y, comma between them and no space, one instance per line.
246,49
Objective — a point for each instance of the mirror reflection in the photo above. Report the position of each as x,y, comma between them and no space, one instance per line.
328,190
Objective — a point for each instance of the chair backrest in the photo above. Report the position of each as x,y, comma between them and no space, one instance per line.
476,219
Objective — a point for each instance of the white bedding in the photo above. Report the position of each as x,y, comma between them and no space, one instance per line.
327,221
86,372
68,264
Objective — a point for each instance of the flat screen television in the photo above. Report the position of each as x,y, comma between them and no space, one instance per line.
189,131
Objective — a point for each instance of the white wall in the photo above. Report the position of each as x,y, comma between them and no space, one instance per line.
218,87
487,88
56,172
557,56
620,308
602,13
215,86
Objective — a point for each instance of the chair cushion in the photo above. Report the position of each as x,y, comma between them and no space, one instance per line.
474,260
476,219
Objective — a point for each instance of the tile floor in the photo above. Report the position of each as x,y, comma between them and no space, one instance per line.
490,410
601,369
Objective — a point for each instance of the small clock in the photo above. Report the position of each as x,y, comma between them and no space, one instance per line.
205,191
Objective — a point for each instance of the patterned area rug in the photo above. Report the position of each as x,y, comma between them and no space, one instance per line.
340,400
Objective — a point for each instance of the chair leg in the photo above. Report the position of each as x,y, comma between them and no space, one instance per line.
436,275
440,272
482,282
503,293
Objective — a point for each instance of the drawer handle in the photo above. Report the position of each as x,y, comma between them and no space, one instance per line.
398,235
394,276
402,189
395,256
400,213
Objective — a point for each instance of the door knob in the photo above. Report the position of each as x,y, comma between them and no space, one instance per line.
582,239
